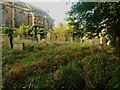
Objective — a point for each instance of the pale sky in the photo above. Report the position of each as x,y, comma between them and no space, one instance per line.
55,9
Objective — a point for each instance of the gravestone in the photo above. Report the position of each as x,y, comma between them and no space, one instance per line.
103,41
96,41
6,42
43,42
88,41
38,37
48,38
18,37
71,39
18,47
77,39
108,43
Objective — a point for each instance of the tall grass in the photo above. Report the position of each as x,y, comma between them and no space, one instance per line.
59,65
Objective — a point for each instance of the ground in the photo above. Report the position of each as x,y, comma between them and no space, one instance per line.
59,65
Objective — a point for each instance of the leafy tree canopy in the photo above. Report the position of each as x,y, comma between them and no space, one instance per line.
96,16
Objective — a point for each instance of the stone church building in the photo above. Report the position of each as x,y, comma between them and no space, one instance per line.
16,14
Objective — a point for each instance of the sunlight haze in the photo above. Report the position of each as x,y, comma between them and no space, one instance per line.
57,10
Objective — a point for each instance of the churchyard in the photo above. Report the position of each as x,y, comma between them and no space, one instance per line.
57,64
82,54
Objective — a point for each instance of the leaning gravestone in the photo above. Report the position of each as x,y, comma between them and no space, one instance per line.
6,42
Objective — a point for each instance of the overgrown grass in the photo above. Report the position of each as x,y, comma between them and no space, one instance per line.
59,65
0,50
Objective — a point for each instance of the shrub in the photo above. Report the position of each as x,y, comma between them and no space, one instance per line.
5,30
16,32
27,31
42,32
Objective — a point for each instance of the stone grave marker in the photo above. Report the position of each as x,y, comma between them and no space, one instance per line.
6,42
38,37
103,41
48,37
108,43
19,37
18,47
95,41
43,42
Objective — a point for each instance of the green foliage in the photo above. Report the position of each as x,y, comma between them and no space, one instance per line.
23,31
96,16
27,30
5,30
42,32
16,32
58,65
62,31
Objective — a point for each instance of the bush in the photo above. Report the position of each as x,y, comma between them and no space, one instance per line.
42,32
5,30
27,31
16,32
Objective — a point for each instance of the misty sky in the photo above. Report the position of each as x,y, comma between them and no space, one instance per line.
56,10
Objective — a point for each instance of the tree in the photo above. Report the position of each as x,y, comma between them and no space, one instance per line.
96,16
62,31
73,25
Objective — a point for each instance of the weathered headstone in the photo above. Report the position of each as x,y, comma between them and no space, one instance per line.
71,39
38,37
48,37
77,39
43,42
96,41
18,47
103,41
18,37
90,41
108,43
6,42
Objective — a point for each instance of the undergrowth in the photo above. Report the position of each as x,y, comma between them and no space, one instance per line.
63,66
